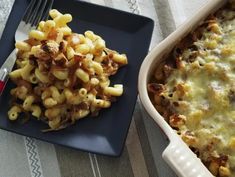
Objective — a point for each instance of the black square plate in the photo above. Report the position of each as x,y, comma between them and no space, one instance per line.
122,31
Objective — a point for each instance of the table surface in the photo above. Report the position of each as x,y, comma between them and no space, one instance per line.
26,157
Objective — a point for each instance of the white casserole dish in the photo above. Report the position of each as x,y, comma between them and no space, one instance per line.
178,155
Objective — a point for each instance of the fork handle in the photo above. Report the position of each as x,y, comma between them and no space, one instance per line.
3,79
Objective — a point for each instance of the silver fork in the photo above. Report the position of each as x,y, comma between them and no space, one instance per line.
36,11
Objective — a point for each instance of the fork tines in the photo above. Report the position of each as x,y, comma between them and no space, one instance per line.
36,11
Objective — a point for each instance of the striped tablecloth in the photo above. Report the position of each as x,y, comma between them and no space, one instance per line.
25,157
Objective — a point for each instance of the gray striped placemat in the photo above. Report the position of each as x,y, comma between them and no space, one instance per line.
27,157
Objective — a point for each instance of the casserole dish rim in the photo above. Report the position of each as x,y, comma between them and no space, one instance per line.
176,149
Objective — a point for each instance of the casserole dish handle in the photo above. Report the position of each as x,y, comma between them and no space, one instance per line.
183,161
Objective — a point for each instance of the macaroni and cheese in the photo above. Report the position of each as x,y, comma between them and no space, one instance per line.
194,90
62,76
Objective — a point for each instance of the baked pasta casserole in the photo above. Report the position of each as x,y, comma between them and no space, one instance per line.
62,76
193,88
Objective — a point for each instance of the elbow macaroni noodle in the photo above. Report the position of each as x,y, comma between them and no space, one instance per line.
62,76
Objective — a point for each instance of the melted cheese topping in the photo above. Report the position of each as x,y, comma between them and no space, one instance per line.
204,88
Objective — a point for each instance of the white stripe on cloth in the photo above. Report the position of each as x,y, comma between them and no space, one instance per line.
5,8
183,9
147,9
135,152
48,158
134,6
14,160
100,2
121,5
33,157
97,165
177,11
94,165
190,7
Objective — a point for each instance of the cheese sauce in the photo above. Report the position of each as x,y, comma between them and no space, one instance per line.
203,86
